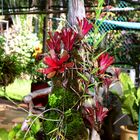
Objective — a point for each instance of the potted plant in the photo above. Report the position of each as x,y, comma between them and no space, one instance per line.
39,81
16,48
10,67
130,100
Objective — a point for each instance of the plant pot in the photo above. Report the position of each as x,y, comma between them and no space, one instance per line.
39,101
128,133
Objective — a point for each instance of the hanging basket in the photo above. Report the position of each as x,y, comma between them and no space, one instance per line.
129,133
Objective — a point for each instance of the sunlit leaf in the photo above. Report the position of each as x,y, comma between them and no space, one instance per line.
36,126
83,76
126,81
129,107
138,96
99,40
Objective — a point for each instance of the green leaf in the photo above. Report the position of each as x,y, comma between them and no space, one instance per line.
36,126
68,112
3,134
30,138
91,90
138,95
96,57
52,131
13,133
94,70
99,40
129,107
83,76
91,85
126,81
96,27
19,135
130,91
99,8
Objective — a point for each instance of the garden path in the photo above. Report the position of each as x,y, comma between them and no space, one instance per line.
10,114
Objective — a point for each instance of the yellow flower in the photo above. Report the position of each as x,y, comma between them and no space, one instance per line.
37,50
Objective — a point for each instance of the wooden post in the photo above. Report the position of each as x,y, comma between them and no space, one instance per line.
44,34
45,29
75,9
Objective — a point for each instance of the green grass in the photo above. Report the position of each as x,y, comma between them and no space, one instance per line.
17,90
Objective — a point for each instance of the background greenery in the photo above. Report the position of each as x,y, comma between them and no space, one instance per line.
17,90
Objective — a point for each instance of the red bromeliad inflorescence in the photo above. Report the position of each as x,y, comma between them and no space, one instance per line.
65,40
84,26
56,64
101,112
107,82
68,37
54,42
104,61
60,45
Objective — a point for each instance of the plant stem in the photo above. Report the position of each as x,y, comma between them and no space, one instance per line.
139,125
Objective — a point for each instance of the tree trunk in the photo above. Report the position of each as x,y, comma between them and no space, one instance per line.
75,9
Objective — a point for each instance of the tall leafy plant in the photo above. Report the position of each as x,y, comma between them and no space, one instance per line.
130,98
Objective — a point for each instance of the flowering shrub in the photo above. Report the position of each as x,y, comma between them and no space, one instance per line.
19,43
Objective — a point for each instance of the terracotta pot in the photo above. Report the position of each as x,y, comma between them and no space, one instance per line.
39,101
129,133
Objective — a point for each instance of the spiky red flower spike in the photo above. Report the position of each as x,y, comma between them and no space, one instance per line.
68,37
104,61
84,26
56,64
101,112
54,41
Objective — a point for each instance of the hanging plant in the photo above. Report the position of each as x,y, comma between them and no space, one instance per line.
10,69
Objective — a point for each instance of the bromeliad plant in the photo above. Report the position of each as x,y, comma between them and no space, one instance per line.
78,73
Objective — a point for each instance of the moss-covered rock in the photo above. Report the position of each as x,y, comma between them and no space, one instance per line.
75,127
63,99
65,119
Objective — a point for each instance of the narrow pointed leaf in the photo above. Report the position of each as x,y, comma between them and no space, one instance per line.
83,76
